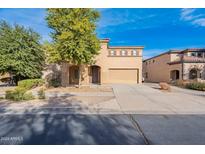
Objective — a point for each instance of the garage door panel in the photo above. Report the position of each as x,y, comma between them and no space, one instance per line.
123,75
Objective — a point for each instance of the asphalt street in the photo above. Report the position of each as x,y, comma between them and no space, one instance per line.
37,129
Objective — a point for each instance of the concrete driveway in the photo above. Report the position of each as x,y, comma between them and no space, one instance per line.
148,99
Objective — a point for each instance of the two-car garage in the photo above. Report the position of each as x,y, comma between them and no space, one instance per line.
123,75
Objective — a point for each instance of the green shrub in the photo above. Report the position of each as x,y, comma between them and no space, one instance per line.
54,83
1,98
196,86
28,96
30,83
18,94
41,94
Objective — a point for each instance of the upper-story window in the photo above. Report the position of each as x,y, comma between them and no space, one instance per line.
200,54
112,53
193,54
123,53
134,52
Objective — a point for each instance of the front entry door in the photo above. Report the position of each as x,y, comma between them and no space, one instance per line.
74,75
95,75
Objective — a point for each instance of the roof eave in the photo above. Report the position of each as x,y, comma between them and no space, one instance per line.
126,47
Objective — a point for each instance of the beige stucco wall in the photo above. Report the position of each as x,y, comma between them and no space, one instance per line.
158,71
128,68
107,63
175,67
174,56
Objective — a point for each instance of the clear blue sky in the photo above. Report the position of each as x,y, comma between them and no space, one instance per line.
157,29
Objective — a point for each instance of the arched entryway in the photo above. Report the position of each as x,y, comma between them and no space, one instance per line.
174,75
193,74
95,74
73,74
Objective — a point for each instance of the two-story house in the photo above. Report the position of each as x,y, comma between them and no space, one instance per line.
120,64
174,65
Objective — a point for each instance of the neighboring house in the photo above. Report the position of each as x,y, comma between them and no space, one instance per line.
121,64
175,65
4,77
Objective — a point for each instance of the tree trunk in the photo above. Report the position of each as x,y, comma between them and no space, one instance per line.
13,80
79,77
16,79
65,74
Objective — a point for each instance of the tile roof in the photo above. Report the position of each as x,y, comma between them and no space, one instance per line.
178,51
193,49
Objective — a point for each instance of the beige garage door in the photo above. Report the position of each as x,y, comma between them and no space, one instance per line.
123,75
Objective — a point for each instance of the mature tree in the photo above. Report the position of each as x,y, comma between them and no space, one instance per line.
51,53
74,34
21,53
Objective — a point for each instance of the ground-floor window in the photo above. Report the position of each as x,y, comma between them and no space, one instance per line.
193,74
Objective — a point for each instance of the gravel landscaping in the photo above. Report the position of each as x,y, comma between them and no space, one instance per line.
82,100
82,89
